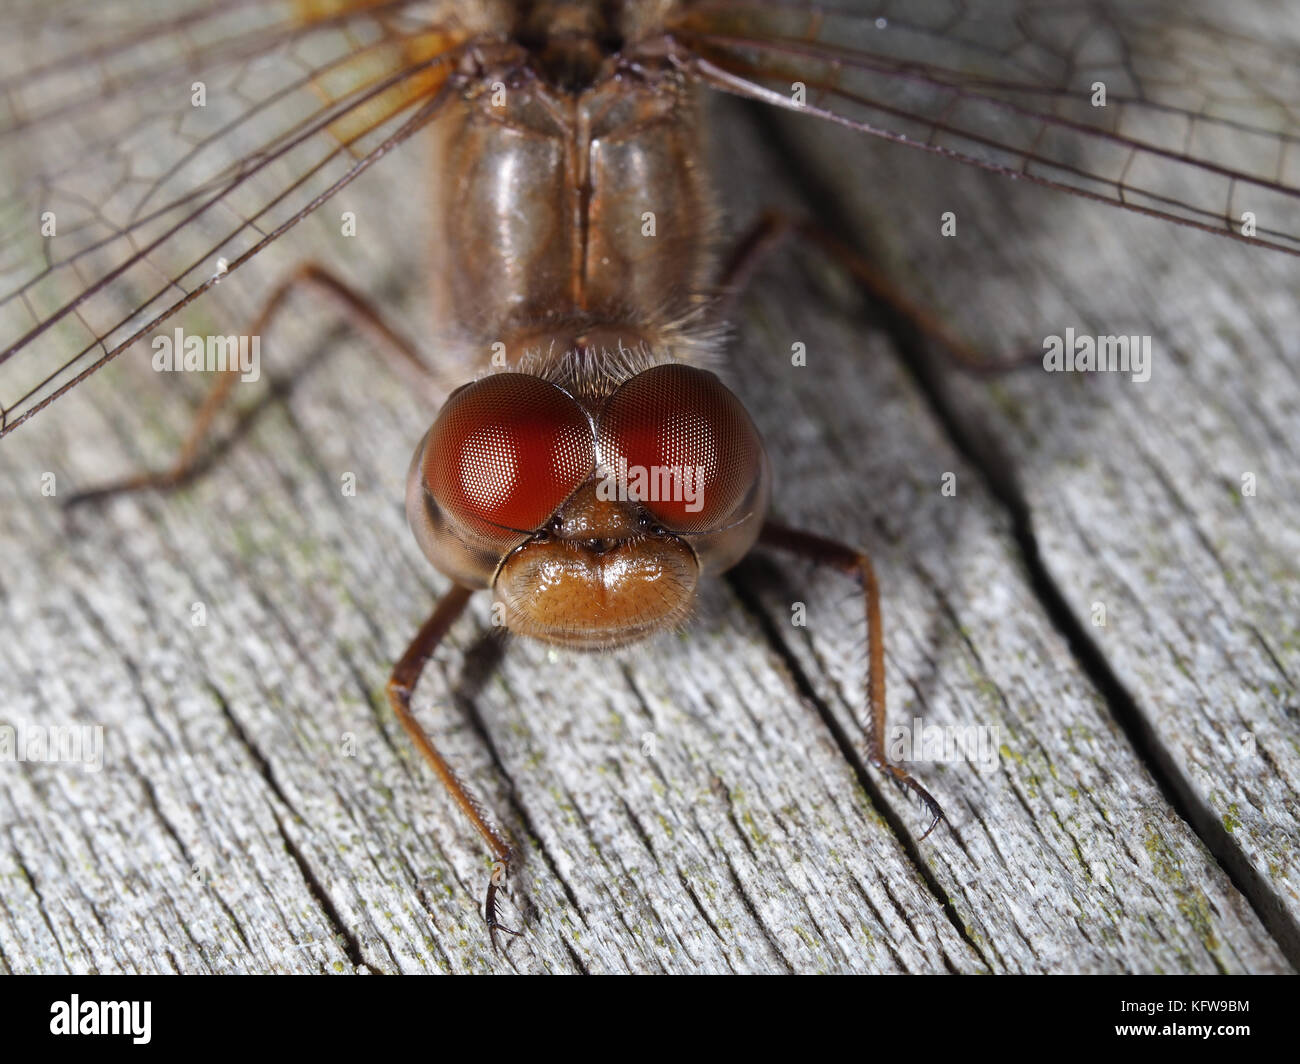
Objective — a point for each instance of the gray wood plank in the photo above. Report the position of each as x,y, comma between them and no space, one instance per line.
695,805
1173,505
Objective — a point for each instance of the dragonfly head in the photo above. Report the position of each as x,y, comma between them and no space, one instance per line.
592,520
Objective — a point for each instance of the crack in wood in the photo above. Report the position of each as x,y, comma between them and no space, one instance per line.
994,470
808,694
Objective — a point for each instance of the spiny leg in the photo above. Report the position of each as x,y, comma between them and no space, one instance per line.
406,674
401,352
775,227
856,562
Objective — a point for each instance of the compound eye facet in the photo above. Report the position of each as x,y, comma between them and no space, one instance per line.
684,445
505,452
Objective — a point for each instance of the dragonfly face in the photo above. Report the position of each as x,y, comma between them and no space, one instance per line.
591,515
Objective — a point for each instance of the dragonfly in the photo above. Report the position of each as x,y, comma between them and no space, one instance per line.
598,469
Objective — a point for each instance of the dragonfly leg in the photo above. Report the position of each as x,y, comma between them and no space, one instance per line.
406,674
190,460
775,227
856,563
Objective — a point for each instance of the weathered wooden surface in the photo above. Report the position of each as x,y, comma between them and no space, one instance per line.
1174,503
699,804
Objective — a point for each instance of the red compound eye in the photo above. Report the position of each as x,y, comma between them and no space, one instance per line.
505,452
683,446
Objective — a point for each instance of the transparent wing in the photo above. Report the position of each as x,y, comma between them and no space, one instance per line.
149,157
1138,104
148,149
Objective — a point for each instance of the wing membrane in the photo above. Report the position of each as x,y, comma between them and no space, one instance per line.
127,196
1197,125
135,206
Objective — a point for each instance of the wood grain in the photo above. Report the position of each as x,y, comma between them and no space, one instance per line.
701,803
